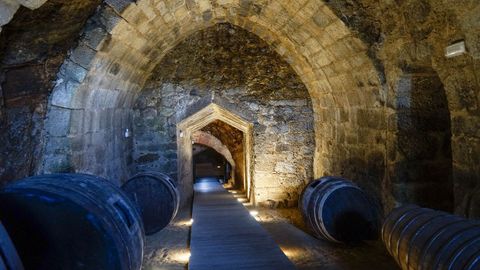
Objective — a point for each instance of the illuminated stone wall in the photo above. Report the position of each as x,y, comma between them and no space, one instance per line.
235,69
352,56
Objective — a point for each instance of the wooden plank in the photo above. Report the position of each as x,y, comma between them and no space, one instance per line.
225,235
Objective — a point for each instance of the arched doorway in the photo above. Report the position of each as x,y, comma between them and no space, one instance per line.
197,121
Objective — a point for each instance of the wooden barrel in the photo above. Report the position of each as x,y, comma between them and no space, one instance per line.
156,198
9,259
72,221
420,238
336,209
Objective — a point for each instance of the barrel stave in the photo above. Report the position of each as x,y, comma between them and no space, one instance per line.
425,239
9,258
156,197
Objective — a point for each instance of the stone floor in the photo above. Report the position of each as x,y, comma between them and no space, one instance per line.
169,248
308,252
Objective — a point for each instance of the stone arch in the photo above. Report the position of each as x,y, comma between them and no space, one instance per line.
186,130
421,158
124,42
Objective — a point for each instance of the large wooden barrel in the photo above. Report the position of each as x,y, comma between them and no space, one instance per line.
9,259
156,197
420,238
336,209
72,221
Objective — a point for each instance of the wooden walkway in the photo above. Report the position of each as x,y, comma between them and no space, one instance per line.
226,237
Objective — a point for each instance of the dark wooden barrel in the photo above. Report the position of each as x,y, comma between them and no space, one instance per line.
72,221
336,209
9,259
156,197
420,238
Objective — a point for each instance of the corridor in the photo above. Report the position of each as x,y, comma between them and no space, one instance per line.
225,236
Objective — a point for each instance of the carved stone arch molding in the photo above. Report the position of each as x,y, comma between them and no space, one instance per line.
195,122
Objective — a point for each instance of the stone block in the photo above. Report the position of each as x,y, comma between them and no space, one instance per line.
7,10
73,71
57,146
32,4
57,164
94,34
109,19
119,5
76,122
64,93
284,167
83,55
58,121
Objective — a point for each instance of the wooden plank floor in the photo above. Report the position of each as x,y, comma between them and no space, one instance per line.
225,236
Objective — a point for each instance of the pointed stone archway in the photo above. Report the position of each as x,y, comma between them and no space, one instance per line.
197,121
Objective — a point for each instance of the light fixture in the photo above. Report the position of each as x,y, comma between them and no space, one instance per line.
182,256
455,49
127,133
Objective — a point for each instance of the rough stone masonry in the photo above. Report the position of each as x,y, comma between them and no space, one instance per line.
235,69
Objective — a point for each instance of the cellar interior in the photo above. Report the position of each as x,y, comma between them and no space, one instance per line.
248,103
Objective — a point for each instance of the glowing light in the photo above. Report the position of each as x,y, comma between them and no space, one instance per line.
254,213
234,191
291,252
182,256
241,200
247,204
187,223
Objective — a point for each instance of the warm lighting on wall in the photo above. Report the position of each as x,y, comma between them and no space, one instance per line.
254,214
291,253
241,200
182,256
186,223
247,204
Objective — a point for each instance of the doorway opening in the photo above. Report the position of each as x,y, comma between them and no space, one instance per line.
214,125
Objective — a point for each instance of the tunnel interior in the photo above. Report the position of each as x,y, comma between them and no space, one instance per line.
276,93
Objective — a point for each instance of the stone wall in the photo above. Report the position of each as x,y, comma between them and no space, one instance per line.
8,8
420,163
345,89
351,55
236,70
32,47
415,33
